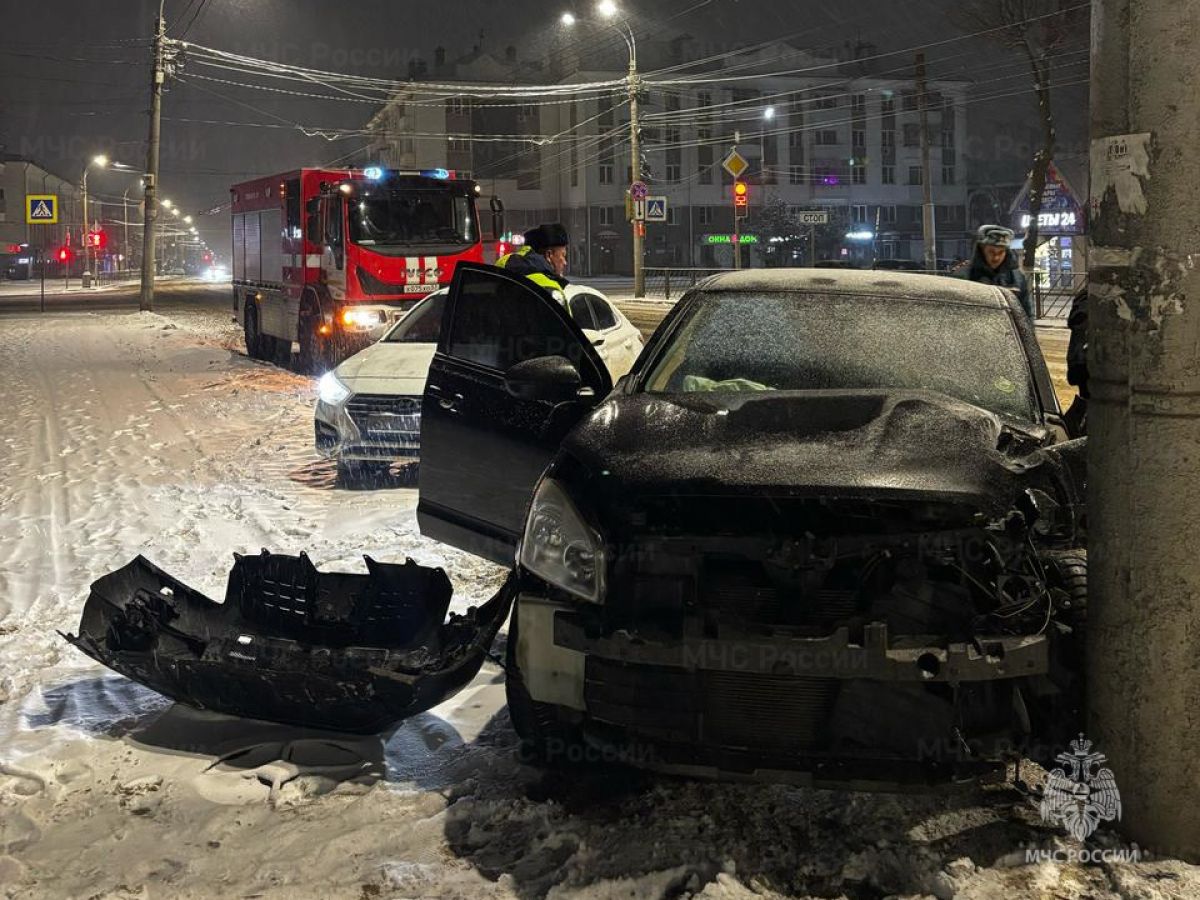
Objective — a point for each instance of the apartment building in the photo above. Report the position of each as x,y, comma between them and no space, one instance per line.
830,134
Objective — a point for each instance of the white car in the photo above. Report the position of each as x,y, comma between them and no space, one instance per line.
369,408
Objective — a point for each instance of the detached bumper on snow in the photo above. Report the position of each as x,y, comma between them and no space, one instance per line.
353,653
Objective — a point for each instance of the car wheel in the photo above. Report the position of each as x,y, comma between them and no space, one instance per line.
1059,713
314,350
357,473
255,340
545,739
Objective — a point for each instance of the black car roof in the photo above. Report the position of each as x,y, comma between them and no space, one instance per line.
901,285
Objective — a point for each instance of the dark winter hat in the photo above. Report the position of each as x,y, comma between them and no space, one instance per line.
994,236
544,237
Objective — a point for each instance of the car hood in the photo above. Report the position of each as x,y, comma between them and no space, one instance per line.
383,367
828,444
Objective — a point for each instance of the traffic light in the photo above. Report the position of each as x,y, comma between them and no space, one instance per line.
97,240
64,254
741,199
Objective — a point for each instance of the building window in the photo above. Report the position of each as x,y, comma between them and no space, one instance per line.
859,172
914,175
948,140
673,173
912,135
457,106
887,139
887,215
704,98
948,174
607,216
858,105
887,175
829,101
796,174
910,101
859,213
705,215
606,173
672,215
825,136
887,106
460,145
858,138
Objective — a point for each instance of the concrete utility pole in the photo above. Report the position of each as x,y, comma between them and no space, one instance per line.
639,233
928,222
150,216
1143,460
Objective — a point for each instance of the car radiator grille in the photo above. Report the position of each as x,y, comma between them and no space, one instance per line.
743,594
736,710
380,417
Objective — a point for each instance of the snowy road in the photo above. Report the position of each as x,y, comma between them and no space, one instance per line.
138,433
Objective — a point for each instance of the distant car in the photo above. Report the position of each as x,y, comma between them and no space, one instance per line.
19,268
827,529
368,411
898,265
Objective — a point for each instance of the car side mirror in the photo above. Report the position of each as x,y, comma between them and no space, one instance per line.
552,379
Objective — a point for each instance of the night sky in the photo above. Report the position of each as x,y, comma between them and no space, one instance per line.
74,74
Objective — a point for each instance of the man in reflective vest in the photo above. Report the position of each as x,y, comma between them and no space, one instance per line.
543,258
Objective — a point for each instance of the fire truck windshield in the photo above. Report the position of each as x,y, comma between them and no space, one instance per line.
401,216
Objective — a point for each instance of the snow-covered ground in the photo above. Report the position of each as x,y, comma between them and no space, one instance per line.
137,433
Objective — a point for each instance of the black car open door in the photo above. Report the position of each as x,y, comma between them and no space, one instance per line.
511,376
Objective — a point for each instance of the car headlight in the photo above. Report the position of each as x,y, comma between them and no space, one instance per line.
561,547
362,318
332,391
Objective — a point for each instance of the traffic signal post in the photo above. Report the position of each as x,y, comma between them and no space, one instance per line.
741,206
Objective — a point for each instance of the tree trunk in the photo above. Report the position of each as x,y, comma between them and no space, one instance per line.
1041,162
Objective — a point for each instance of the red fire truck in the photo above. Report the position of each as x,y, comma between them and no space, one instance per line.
328,258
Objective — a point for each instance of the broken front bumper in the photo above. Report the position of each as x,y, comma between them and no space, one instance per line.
354,653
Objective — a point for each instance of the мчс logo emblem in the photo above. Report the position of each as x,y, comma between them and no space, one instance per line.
1082,794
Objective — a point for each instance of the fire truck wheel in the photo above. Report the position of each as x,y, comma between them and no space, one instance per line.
255,339
314,350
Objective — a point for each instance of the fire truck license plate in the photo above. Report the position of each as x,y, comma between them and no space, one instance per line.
422,288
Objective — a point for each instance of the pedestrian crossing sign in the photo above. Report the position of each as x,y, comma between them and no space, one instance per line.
41,209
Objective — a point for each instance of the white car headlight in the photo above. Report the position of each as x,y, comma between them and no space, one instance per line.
561,547
362,318
332,391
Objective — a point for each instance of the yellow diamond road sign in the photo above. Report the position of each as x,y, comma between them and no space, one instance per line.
41,209
735,164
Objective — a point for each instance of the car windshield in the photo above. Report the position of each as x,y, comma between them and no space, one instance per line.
384,216
423,325
804,341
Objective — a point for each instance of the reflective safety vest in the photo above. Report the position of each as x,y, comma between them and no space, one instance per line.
541,279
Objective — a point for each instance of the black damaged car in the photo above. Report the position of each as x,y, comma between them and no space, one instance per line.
829,529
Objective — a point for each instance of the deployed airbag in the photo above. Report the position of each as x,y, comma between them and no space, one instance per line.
345,652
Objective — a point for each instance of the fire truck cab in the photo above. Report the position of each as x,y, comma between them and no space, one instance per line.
327,259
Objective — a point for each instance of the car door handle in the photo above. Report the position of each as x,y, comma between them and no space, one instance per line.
450,405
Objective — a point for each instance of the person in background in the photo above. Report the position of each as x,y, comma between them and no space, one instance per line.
995,263
1077,370
543,258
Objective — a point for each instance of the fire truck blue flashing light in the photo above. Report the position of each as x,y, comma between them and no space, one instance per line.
435,173
373,173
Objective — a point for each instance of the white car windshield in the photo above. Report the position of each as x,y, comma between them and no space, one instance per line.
802,341
423,325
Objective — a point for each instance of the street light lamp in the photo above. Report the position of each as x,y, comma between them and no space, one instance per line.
611,14
100,161
187,220
166,204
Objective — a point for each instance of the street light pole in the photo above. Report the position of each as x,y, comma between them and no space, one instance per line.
1144,416
151,200
639,234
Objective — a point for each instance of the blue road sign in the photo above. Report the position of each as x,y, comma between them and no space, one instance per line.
656,209
41,209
